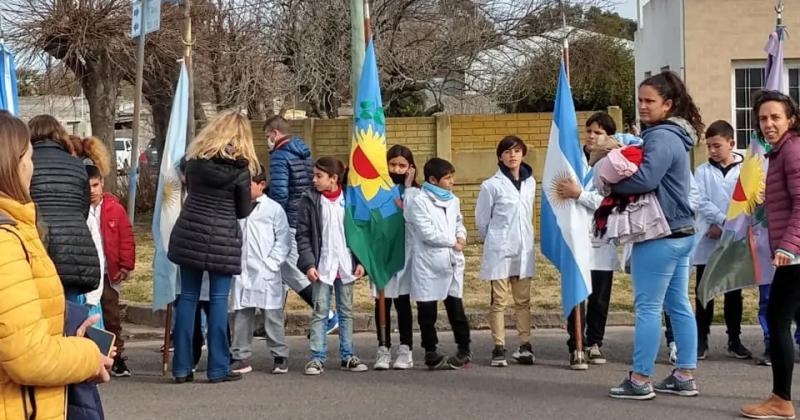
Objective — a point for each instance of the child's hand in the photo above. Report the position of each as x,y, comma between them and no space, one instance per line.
121,276
410,175
359,271
714,232
460,243
312,274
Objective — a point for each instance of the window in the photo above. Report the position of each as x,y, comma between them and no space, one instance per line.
747,81
664,69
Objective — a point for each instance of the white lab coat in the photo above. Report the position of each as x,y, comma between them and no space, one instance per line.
400,283
437,269
710,198
265,246
604,255
504,218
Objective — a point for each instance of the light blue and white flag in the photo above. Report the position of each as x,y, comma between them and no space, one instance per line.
9,98
565,228
168,196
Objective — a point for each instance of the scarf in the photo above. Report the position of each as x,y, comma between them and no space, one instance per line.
439,192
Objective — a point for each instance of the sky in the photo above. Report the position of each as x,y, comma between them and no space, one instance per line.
626,8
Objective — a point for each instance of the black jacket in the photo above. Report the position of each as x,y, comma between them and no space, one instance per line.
60,189
206,235
309,232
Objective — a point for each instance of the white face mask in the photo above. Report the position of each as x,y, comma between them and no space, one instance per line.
271,143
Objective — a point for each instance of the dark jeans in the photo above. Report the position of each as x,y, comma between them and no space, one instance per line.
784,302
402,305
109,302
595,313
426,316
732,310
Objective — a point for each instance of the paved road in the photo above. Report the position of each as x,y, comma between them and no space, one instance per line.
547,390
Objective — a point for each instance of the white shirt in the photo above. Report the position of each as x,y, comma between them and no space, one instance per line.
93,221
334,260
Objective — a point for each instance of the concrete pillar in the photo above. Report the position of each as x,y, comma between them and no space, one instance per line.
444,148
616,114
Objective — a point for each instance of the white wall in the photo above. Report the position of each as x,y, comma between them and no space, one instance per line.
659,39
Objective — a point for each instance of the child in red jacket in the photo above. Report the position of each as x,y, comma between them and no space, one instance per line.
120,252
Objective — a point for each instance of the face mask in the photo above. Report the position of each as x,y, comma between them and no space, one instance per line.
271,143
398,179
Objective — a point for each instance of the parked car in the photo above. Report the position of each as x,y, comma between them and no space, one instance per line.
122,148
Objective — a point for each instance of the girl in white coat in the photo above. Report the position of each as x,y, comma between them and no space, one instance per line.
437,269
403,170
504,217
265,246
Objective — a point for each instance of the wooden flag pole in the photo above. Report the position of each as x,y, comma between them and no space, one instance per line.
381,293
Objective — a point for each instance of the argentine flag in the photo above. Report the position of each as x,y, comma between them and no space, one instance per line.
9,99
564,226
168,196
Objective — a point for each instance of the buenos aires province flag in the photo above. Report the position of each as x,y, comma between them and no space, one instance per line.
564,226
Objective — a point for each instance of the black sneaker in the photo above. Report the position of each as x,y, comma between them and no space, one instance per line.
628,390
577,361
241,366
183,379
120,368
460,360
737,350
499,357
230,377
280,366
702,348
524,355
435,360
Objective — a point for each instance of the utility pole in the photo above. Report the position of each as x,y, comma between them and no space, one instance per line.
357,46
133,175
187,59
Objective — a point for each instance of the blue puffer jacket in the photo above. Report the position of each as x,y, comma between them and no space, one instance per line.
291,174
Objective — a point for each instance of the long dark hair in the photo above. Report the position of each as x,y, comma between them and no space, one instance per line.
670,87
789,106
398,150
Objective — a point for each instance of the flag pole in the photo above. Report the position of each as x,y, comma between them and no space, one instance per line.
577,312
381,292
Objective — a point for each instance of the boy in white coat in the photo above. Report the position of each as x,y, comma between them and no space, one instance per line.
439,236
265,246
715,181
504,217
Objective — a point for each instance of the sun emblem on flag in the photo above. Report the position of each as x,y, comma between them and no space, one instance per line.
552,194
749,191
368,167
171,191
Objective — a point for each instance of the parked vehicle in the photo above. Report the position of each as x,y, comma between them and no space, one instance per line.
122,148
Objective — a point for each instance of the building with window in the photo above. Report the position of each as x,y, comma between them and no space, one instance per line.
717,46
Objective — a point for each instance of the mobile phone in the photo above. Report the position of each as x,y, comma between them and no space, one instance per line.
103,339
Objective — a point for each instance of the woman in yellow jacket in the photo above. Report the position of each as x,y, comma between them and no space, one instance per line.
36,360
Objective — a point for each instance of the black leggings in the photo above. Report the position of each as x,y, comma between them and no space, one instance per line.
402,304
784,301
426,317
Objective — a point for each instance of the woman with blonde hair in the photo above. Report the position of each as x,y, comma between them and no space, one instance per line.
206,237
36,361
60,189
92,151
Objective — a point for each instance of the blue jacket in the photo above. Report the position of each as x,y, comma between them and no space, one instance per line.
666,170
291,174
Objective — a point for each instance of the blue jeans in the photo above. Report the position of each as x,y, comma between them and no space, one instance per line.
660,270
218,350
321,296
763,301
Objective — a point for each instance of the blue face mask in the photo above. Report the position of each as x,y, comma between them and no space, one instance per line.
440,193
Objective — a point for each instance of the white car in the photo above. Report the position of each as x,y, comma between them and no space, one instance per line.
122,148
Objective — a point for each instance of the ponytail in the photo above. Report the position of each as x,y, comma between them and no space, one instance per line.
670,87
332,166
95,150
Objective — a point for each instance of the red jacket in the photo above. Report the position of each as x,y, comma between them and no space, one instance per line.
783,195
118,241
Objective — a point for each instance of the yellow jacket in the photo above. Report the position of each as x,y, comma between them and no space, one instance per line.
36,361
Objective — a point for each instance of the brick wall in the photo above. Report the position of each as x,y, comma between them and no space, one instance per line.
469,141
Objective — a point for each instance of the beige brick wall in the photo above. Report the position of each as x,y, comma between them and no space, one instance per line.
719,33
472,144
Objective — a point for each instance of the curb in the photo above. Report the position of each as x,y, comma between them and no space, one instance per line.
297,322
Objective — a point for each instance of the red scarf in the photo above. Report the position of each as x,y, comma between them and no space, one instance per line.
332,195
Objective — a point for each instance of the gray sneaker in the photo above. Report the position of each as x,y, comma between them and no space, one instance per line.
314,367
673,385
383,359
628,390
595,356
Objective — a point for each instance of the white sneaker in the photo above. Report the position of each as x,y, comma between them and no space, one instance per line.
383,359
404,359
673,353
